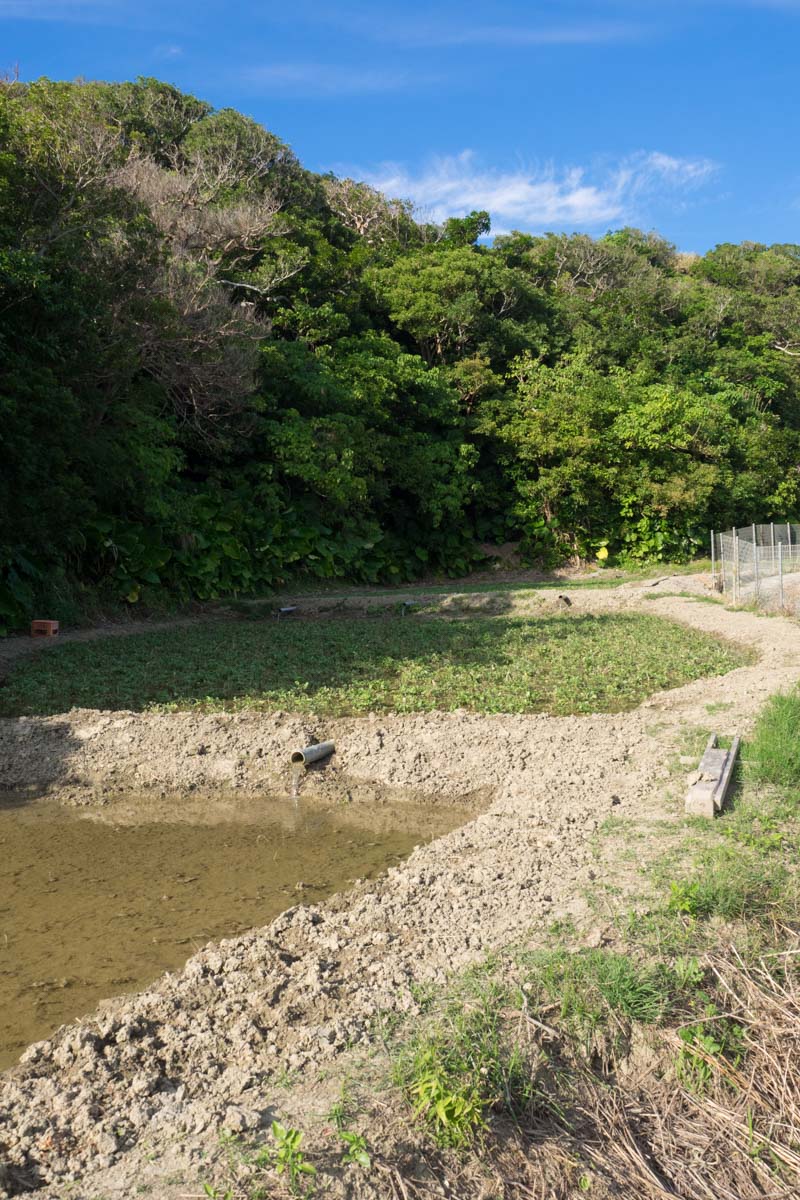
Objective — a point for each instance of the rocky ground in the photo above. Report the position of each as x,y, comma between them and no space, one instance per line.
135,1096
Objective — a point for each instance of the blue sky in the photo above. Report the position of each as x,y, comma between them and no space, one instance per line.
563,115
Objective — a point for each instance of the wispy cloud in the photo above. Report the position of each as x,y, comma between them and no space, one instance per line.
168,53
59,10
325,79
507,35
103,14
511,35
543,198
561,23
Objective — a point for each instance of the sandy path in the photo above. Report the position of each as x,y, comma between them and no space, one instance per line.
161,1072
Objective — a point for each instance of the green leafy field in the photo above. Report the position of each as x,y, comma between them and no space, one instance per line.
561,664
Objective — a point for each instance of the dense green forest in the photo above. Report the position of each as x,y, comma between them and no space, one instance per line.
219,370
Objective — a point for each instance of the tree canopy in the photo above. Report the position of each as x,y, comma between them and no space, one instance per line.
218,369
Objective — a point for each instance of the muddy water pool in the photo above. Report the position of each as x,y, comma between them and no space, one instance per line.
95,902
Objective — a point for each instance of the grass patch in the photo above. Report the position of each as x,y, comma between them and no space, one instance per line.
555,664
738,868
774,751
683,1032
534,1054
462,1065
591,989
729,883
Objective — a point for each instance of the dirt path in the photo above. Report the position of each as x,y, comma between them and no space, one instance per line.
140,1092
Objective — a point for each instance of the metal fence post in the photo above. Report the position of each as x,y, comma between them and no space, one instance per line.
755,567
789,536
772,543
780,574
728,573
735,566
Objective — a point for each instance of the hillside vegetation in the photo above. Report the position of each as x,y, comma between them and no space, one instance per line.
219,370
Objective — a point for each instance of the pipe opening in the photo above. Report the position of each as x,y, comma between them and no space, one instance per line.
310,754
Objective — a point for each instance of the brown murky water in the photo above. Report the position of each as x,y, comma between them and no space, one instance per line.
98,902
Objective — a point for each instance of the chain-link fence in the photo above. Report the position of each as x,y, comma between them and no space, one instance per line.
752,563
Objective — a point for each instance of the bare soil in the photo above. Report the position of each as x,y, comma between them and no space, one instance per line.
136,1095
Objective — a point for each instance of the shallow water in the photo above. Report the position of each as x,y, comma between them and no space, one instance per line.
101,901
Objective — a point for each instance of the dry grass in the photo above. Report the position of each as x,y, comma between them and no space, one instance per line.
637,1129
740,1137
640,1127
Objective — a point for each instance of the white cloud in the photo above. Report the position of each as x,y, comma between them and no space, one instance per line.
683,172
321,79
57,10
542,199
111,14
166,53
509,36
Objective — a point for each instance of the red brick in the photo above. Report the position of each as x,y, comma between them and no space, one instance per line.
44,628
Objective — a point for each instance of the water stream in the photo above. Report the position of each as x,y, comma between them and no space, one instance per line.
95,902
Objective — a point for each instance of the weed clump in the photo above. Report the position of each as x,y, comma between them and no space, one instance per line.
462,1065
728,882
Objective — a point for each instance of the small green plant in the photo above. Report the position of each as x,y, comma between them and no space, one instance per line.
355,1144
713,1038
461,1064
289,1160
215,1193
683,897
688,973
729,882
342,1111
355,1152
454,1114
763,834
229,1141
